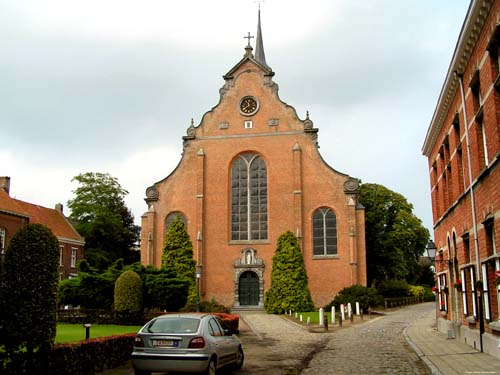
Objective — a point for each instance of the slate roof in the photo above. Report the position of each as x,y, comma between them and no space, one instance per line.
49,217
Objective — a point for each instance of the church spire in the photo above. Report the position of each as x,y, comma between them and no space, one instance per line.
259,45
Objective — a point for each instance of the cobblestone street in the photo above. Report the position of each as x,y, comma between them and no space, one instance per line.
377,347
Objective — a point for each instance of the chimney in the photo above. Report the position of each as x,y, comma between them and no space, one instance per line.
59,207
5,184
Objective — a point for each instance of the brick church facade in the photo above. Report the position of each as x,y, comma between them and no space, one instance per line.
250,171
463,150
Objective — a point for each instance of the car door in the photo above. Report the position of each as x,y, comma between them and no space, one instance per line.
223,345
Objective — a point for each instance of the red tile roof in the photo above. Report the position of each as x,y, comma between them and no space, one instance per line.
49,217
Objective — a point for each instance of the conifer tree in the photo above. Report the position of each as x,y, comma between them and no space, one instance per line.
178,254
289,287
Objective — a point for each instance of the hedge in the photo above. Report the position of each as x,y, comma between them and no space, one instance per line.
91,356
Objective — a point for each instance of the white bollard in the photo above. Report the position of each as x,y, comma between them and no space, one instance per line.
357,308
301,320
349,310
296,314
321,321
308,320
342,312
290,312
333,314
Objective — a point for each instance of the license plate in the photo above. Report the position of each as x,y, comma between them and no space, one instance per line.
166,343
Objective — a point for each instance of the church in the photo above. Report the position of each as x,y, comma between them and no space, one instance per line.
250,171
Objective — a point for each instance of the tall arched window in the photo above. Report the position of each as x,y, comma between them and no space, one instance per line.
324,232
248,198
171,216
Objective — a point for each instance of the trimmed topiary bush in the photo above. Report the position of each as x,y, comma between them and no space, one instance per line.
128,297
367,297
289,288
29,297
178,254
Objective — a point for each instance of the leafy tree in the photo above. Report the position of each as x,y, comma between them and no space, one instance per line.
395,237
367,297
103,219
394,288
29,299
178,254
289,288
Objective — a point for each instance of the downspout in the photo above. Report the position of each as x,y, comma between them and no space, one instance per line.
473,205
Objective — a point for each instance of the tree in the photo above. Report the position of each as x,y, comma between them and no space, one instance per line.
395,237
29,297
367,297
103,219
178,254
289,287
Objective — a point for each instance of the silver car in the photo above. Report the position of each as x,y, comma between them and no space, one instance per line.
186,343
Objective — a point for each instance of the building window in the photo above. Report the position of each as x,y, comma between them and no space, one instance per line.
485,145
465,240
2,240
491,247
465,302
73,256
324,232
248,198
486,296
61,252
442,293
171,216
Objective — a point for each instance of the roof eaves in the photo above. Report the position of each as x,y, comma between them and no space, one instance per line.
469,34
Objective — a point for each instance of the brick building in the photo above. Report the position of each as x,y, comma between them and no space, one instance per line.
250,171
463,149
14,214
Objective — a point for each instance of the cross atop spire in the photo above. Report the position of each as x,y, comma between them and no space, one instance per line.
259,44
248,37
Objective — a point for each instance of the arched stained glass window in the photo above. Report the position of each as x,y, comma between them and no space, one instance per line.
171,216
324,232
248,198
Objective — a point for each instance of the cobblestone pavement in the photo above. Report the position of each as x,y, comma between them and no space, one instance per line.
377,347
279,346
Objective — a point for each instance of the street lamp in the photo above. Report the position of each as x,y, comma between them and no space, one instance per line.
431,254
198,277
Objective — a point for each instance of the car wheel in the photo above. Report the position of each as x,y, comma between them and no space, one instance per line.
212,367
240,357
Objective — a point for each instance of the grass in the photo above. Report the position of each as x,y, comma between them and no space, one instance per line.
314,316
76,332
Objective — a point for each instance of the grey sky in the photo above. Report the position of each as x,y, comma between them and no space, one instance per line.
111,85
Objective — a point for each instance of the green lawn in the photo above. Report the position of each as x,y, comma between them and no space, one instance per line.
76,332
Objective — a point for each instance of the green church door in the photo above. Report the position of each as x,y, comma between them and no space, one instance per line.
249,289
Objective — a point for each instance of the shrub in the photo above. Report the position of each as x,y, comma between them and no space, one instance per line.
367,297
166,291
90,356
393,288
29,299
289,288
416,291
128,297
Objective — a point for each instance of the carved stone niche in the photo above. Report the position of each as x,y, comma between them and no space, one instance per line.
248,262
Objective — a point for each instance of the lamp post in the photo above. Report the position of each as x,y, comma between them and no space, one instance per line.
198,277
431,254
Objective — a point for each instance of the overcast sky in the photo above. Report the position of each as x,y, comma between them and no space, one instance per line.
111,85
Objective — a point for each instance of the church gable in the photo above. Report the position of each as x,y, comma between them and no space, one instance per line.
250,171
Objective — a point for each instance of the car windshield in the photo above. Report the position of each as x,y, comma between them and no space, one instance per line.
174,325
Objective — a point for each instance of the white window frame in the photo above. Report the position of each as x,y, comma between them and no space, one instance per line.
74,251
486,296
61,252
3,233
485,145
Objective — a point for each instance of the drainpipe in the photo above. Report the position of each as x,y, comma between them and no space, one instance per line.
473,208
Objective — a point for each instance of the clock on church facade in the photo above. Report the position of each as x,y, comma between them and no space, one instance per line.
250,171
